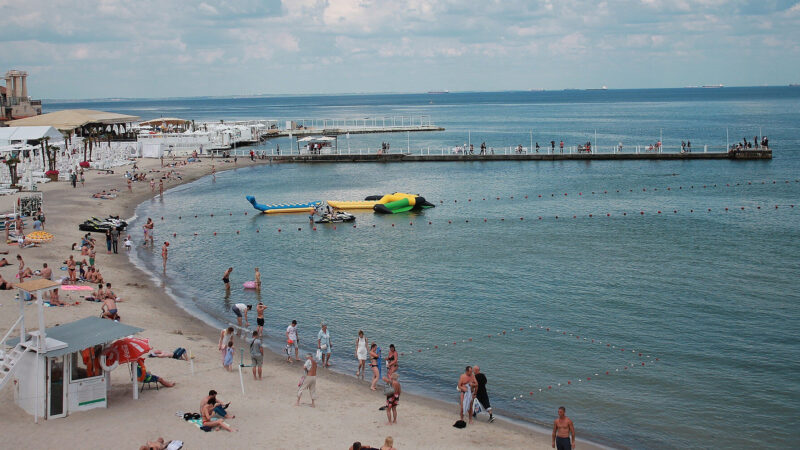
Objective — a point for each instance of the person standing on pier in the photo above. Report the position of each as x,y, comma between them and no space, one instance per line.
689,146
537,147
483,148
553,146
561,146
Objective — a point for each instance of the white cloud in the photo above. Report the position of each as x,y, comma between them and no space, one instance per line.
205,8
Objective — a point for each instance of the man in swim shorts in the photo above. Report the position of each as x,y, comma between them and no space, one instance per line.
257,280
562,429
226,278
109,307
241,309
260,308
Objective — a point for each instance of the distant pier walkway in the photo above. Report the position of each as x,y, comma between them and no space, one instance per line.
759,154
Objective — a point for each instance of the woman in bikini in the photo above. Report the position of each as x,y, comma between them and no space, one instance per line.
373,363
392,361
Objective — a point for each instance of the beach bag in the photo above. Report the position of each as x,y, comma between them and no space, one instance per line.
388,390
460,424
318,356
178,353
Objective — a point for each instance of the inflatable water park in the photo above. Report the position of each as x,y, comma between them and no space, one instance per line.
394,203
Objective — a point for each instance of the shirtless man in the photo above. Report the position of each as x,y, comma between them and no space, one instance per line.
562,429
161,188
309,381
226,278
260,308
109,307
257,279
465,384
111,294
46,272
100,293
71,269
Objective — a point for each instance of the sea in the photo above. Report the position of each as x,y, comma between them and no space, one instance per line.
656,300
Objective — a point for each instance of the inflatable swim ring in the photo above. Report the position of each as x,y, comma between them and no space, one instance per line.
249,284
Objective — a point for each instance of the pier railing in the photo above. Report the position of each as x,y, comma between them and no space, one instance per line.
508,150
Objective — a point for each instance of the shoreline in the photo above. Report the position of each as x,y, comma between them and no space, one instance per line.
423,422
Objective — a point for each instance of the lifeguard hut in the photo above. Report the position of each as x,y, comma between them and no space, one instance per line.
56,371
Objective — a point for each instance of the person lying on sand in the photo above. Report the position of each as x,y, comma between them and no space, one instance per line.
4,262
5,285
179,353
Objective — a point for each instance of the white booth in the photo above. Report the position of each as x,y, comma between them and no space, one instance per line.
62,373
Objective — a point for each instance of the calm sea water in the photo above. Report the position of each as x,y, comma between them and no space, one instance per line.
711,294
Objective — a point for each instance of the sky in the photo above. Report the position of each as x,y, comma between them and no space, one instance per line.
174,48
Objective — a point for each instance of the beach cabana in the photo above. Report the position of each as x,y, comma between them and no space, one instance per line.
56,371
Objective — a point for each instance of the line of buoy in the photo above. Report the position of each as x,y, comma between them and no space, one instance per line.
659,212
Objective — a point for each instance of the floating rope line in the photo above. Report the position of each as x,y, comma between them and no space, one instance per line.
616,214
581,194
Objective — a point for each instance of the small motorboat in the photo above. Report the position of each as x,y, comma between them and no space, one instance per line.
336,217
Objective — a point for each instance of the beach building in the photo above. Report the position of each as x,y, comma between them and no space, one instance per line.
14,100
57,371
179,137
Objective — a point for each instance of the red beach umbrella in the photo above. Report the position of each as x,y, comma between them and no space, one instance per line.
125,350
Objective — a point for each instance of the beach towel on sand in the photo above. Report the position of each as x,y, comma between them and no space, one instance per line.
199,424
467,405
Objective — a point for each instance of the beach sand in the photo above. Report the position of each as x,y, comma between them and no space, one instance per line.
346,411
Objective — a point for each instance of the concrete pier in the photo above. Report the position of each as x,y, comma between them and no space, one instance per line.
761,154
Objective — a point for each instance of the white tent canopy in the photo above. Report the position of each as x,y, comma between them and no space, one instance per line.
10,135
317,139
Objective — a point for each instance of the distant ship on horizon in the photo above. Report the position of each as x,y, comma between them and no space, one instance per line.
794,84
602,88
439,92
712,86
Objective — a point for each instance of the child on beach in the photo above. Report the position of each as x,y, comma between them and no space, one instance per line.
228,361
128,243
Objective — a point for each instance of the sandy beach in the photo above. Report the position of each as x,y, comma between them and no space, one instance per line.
346,410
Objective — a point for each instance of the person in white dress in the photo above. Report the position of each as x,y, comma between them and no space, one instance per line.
361,353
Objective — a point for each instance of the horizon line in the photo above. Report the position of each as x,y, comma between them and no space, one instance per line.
445,92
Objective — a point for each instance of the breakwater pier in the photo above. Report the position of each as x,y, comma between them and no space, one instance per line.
382,157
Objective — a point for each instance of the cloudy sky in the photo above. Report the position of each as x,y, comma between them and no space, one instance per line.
156,48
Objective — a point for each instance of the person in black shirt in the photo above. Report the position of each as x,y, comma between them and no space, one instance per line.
481,395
